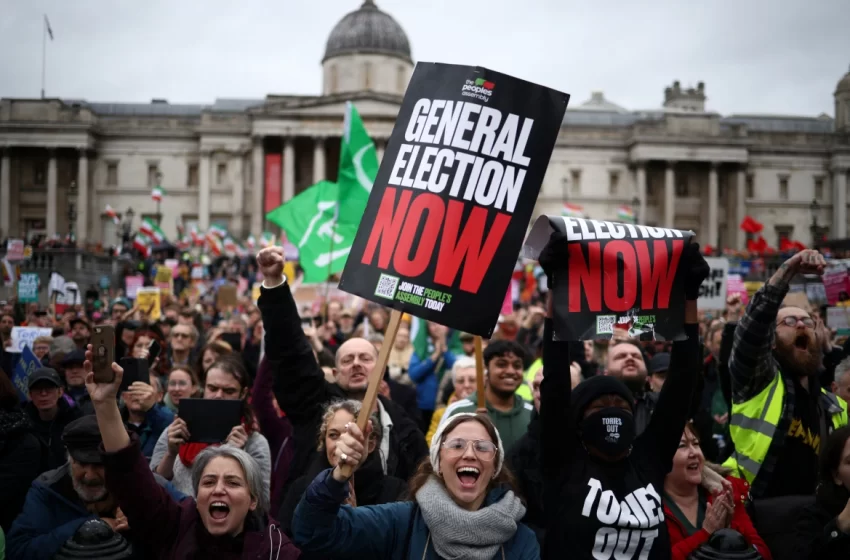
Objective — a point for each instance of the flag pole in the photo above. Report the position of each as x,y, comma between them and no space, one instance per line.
43,52
325,305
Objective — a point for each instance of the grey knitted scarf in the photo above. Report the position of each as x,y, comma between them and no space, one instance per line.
458,533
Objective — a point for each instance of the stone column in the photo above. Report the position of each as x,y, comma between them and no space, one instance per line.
288,178
380,145
318,160
740,208
51,194
204,192
839,204
238,209
82,228
713,200
5,196
640,180
257,211
669,195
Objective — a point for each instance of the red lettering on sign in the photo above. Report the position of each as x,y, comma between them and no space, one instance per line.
614,251
585,277
595,277
387,227
436,209
467,247
657,274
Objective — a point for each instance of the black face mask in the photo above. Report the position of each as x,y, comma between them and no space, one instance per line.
610,431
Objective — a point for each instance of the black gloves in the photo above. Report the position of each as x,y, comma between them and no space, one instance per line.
554,256
694,269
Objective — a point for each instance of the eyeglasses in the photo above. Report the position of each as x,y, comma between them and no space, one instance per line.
791,321
481,447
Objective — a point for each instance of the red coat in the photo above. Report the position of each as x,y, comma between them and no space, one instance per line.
683,545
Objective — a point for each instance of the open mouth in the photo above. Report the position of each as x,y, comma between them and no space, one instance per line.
693,467
219,510
468,476
801,342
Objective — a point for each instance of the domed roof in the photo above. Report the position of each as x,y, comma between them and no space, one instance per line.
843,84
368,30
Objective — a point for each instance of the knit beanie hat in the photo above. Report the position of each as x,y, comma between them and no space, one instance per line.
589,390
437,441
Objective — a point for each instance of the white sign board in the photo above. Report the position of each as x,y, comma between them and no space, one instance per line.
712,293
24,336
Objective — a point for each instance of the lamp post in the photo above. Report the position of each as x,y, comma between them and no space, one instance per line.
635,209
814,208
127,227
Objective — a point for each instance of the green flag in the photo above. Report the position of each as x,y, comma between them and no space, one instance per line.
311,222
358,167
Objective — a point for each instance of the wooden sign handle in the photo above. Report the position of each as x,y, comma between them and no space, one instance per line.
479,375
375,379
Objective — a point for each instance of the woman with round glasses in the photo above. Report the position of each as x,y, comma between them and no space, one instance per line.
464,504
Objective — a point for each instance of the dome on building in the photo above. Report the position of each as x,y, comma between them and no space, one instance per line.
843,84
368,30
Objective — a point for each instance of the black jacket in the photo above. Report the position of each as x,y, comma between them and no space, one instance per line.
50,432
524,461
302,392
816,536
20,463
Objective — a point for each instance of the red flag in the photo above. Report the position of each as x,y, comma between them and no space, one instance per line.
750,225
758,245
708,250
787,246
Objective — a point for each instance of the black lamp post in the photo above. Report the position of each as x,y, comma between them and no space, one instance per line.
814,208
635,209
127,226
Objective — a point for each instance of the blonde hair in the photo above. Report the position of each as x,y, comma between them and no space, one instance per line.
352,407
43,340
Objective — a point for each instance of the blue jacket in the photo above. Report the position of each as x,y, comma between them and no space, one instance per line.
323,528
427,379
49,518
157,420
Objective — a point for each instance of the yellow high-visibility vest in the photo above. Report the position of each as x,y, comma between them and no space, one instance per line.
753,424
524,390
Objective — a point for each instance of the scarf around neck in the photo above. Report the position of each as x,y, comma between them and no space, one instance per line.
475,535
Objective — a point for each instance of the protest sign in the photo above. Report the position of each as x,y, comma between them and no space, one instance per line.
14,250
712,293
24,336
838,318
619,275
68,298
132,284
735,287
164,279
453,197
836,282
24,366
147,300
28,287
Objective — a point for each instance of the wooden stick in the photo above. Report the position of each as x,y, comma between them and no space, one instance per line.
375,379
479,375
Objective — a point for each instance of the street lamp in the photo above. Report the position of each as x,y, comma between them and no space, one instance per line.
814,207
127,226
635,209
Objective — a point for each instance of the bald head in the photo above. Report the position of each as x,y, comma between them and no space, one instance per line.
355,361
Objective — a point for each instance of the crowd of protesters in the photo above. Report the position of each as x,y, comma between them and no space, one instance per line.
734,441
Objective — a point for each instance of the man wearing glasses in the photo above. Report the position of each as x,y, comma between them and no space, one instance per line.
780,413
183,339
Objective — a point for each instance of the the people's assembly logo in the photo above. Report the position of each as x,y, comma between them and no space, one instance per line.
478,88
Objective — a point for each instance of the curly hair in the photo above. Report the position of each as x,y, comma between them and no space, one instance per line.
352,407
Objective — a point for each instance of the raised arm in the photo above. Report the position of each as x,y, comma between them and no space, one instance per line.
299,382
557,425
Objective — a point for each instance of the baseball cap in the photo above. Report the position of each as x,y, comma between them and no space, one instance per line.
75,356
76,320
46,374
659,363
83,440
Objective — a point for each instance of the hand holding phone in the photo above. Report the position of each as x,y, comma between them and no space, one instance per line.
103,353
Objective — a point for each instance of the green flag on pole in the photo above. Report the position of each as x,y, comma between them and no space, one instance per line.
323,220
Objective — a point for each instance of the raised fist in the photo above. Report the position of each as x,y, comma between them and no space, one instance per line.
271,260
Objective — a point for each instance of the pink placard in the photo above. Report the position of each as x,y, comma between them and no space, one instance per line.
508,304
836,282
735,286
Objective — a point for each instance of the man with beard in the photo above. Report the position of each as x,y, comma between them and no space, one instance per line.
300,386
510,413
780,413
80,332
626,362
61,500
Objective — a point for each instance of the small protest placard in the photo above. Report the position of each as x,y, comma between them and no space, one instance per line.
620,276
712,293
147,299
453,197
836,282
735,286
28,287
24,336
132,285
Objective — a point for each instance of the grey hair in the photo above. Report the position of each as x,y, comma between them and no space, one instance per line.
253,476
464,362
842,369
353,408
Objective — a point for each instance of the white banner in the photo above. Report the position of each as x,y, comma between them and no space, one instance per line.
24,336
712,293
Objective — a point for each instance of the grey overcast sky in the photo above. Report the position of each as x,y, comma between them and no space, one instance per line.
755,56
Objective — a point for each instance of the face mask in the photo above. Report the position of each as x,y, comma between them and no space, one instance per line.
610,431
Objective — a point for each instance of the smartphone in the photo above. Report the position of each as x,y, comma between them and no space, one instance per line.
234,339
103,353
135,369
153,351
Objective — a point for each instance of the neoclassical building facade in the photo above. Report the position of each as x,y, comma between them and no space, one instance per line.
679,165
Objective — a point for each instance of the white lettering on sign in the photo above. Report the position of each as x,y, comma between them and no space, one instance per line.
579,229
712,293
632,523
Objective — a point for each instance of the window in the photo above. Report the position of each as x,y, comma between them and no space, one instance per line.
783,187
576,176
819,188
112,174
153,175
221,174
613,182
681,186
783,232
192,179
751,186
